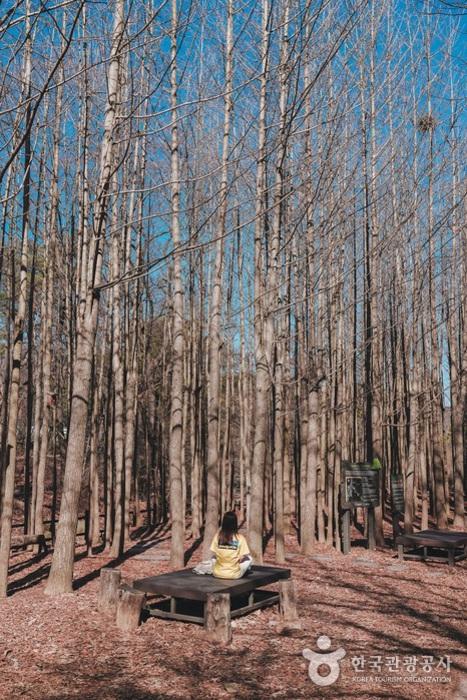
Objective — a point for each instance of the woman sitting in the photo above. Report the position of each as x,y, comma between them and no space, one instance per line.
229,550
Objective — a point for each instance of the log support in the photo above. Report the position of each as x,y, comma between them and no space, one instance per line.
288,603
217,618
109,591
129,606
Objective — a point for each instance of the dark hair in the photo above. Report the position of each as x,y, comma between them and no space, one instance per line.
229,528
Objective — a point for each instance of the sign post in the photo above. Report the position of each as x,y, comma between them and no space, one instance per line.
398,504
359,488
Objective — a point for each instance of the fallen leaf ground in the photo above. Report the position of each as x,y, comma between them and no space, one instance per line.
366,602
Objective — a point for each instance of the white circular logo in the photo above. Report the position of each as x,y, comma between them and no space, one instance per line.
331,660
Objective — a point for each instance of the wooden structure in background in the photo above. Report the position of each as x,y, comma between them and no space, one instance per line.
22,541
433,545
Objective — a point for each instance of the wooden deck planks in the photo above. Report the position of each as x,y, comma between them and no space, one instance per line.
190,586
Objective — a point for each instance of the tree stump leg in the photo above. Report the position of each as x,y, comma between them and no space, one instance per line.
288,603
217,618
108,591
400,552
451,559
129,608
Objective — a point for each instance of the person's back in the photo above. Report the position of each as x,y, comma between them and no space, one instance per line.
230,550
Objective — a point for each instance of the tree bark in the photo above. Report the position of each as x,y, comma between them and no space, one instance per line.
262,378
177,515
217,618
61,572
109,583
215,341
18,332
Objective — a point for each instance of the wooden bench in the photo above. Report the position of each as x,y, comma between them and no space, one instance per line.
213,602
19,541
419,544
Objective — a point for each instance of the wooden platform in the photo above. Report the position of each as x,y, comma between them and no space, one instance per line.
186,593
433,545
186,584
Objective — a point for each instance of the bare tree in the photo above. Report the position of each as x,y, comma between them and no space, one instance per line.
61,572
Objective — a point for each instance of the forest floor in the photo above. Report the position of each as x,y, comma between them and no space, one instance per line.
386,615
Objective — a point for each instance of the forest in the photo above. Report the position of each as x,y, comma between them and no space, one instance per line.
233,259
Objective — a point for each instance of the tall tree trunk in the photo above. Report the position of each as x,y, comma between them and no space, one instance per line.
61,572
48,397
262,387
18,331
177,515
215,341
457,329
121,486
309,521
